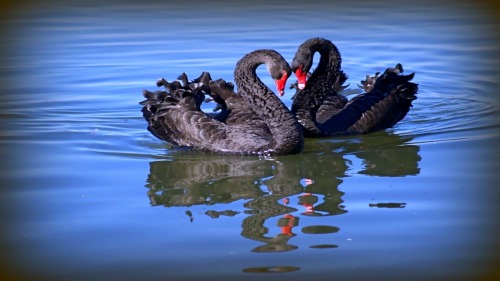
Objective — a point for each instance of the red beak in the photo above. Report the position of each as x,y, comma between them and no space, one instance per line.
280,83
301,77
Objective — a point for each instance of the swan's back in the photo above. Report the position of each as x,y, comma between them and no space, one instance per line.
388,100
174,115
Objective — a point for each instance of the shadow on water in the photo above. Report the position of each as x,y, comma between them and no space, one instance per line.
265,186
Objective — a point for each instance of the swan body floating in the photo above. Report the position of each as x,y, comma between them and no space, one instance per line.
323,111
254,122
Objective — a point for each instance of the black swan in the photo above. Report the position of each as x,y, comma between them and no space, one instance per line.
323,111
175,115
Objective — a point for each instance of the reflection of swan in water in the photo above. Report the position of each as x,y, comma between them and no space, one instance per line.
262,209
261,183
266,184
209,180
382,153
186,181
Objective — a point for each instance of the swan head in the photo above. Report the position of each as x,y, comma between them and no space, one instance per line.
301,64
280,72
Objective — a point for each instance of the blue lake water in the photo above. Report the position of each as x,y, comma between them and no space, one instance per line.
89,194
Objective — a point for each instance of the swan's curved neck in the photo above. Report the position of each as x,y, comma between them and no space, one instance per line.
286,133
320,84
330,61
322,80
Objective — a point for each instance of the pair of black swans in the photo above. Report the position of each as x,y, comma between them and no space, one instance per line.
255,121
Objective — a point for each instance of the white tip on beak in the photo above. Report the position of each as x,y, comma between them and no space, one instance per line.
302,86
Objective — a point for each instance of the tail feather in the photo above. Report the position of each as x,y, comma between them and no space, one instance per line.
157,104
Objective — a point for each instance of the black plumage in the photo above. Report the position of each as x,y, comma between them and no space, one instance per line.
323,111
254,121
